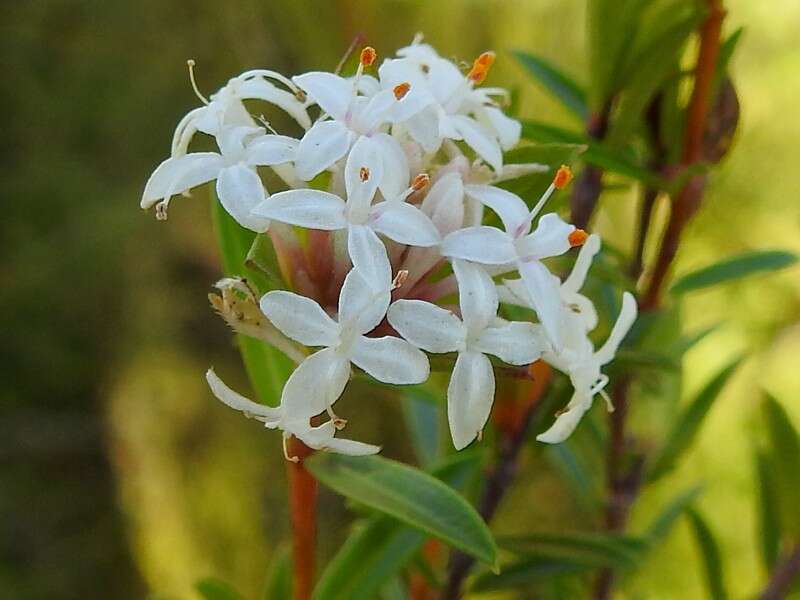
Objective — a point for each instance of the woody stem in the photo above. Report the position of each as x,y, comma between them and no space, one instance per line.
303,517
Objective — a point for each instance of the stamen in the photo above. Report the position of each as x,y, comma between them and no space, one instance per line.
480,68
356,41
294,459
368,56
338,422
577,238
190,63
401,90
399,279
563,177
420,182
363,174
161,210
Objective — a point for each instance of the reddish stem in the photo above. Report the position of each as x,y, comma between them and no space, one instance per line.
303,517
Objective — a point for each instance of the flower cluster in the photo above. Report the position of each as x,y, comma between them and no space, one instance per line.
389,182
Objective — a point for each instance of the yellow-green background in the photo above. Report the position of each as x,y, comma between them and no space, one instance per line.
120,474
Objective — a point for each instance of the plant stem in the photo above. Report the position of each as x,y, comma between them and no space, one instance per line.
687,202
512,439
783,576
303,517
587,188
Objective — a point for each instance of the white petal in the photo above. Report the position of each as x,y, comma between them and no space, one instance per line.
176,175
469,397
513,291
479,139
315,385
424,128
361,307
627,316
427,326
239,402
376,111
543,290
395,165
550,238
508,130
233,138
403,223
331,92
272,150
362,175
368,255
300,318
485,245
444,203
516,343
313,209
567,421
390,360
476,295
577,277
511,209
322,438
260,89
239,189
321,146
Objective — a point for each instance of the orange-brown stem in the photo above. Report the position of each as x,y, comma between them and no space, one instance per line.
303,517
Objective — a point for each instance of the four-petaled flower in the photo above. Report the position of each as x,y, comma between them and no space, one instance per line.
479,332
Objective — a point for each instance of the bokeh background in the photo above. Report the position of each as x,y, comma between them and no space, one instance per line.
121,477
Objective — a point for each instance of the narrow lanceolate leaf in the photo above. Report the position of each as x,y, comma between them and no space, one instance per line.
785,459
216,589
750,263
409,495
560,85
526,573
712,557
769,511
688,423
266,367
278,583
662,524
583,548
382,546
422,421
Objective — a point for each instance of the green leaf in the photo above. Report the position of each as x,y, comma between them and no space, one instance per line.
553,154
278,584
590,549
575,472
769,511
785,458
422,421
662,524
266,367
212,588
394,590
596,154
262,257
688,423
409,495
726,51
526,573
571,95
712,558
382,546
750,263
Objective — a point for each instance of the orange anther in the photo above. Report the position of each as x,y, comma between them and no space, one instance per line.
480,67
368,56
401,90
563,177
420,181
577,238
363,173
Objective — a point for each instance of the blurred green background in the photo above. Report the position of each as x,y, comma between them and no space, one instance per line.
121,476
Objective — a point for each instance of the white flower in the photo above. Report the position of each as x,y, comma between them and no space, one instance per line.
479,332
575,304
239,187
320,437
579,360
456,109
225,107
517,248
394,218
352,117
388,359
